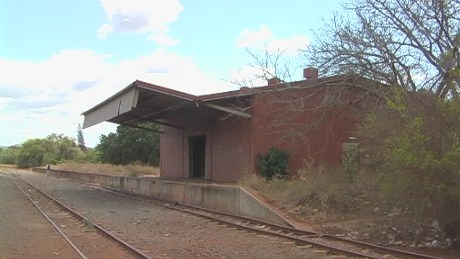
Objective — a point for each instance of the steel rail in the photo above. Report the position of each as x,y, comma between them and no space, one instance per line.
327,247
307,234
96,226
74,247
311,234
290,230
174,207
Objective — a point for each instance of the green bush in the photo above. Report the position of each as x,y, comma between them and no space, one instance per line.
50,150
275,164
87,155
8,155
413,144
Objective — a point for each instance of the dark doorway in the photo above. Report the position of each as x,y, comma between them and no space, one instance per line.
197,155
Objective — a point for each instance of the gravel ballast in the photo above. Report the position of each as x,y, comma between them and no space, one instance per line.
163,232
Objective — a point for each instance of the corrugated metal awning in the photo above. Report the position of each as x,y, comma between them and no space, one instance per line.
118,105
138,101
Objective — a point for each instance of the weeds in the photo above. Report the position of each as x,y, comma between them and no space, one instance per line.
88,221
315,189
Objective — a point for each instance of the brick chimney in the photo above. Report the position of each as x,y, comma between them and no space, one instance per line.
273,81
310,73
244,89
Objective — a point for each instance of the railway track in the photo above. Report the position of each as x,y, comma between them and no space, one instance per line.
331,244
87,239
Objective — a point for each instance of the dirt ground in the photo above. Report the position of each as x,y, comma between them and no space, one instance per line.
24,232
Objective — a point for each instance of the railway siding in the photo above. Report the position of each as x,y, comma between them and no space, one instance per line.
164,232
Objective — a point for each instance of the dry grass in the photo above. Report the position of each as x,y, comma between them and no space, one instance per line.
108,169
7,166
325,190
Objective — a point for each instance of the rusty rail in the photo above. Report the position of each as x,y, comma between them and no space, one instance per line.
77,215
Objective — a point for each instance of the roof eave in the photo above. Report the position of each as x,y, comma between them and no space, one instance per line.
122,91
147,86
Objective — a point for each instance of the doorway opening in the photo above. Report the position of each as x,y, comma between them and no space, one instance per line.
197,156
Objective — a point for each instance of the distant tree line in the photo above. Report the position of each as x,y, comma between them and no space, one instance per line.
127,145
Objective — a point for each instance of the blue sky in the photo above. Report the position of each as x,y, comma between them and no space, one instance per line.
59,58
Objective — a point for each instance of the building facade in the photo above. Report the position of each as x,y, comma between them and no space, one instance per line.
218,137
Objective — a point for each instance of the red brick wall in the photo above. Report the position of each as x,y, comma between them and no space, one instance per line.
310,134
233,144
230,149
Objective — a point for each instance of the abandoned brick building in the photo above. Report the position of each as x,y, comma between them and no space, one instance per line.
219,136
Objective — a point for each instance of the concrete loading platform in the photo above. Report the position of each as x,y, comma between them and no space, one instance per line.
228,198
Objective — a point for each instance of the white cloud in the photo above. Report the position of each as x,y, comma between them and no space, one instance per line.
48,96
264,39
174,71
163,39
139,16
290,46
249,38
266,48
104,30
248,76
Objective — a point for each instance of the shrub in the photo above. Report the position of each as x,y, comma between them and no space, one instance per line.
275,164
413,143
323,189
50,150
8,155
87,155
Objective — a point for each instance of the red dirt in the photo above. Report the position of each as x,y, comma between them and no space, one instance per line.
24,232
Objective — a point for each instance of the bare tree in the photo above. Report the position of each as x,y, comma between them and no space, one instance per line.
266,65
298,108
406,43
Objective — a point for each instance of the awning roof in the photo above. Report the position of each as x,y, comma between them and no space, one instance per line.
143,101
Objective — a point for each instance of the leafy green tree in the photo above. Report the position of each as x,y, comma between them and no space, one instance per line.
32,153
109,149
8,155
59,148
50,150
89,155
129,145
